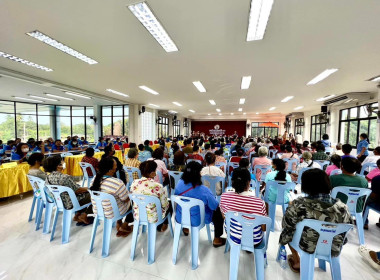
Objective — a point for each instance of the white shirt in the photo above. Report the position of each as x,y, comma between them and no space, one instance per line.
213,171
371,159
299,139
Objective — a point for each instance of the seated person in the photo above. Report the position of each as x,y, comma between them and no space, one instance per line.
89,158
68,139
55,166
338,149
374,198
318,205
325,141
132,145
289,153
38,147
195,154
35,161
73,144
188,149
83,141
148,186
307,162
58,147
261,160
178,162
132,161
336,162
105,182
109,151
244,163
101,144
374,158
239,155
143,154
147,147
305,146
320,154
212,170
191,186
346,149
31,143
158,156
375,172
21,151
118,142
219,156
278,174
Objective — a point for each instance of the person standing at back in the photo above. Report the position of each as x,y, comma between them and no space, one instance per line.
362,148
325,141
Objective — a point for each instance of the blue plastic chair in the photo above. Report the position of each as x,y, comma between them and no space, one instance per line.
84,166
220,165
196,160
44,202
372,206
290,162
300,174
282,188
272,153
186,203
264,170
327,231
129,171
367,167
165,160
142,201
248,223
353,195
213,181
336,172
323,163
67,213
99,197
36,199
176,175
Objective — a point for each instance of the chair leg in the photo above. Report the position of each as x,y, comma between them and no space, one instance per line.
227,248
335,268
152,231
66,224
169,217
259,264
40,209
194,247
234,261
322,264
208,232
134,238
307,266
47,219
54,224
83,182
359,225
93,233
107,229
177,235
32,208
143,230
272,214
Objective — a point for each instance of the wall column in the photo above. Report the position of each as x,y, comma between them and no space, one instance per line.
97,126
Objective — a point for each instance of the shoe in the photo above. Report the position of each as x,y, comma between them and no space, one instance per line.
218,242
164,227
369,256
378,225
121,233
365,227
185,231
75,219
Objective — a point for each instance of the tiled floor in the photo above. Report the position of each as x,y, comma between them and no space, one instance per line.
28,254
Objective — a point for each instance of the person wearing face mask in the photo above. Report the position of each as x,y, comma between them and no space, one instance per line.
21,152
58,147
55,166
73,144
109,151
39,147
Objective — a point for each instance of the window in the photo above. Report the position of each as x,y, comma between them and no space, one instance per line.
46,120
163,127
115,120
176,128
299,126
355,121
7,121
258,130
318,127
147,126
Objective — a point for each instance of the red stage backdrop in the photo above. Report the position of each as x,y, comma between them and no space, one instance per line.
229,126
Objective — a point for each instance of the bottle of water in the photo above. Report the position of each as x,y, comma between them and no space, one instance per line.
265,260
283,257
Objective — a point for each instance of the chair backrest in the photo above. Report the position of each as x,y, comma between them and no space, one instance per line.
279,155
84,166
329,150
99,197
353,195
368,167
248,224
142,201
322,163
165,160
125,145
57,191
130,171
272,153
186,203
282,188
264,170
232,165
176,175
117,147
160,177
196,160
221,164
38,186
336,172
213,180
327,231
291,162
300,174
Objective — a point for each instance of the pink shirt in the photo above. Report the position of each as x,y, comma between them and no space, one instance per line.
160,167
330,168
375,172
260,161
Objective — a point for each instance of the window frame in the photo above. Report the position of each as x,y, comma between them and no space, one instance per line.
298,127
257,125
124,116
176,128
161,123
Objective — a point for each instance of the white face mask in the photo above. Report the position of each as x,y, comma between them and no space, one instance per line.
64,166
25,150
74,143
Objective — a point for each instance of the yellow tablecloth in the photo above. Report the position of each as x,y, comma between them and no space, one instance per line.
13,179
168,145
155,146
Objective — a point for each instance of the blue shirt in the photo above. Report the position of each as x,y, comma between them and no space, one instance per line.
202,193
118,143
37,149
272,195
101,144
83,142
16,156
363,144
326,143
54,147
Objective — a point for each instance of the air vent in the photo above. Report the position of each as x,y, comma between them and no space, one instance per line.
348,97
335,100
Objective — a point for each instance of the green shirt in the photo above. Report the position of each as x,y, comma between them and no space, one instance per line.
147,148
344,180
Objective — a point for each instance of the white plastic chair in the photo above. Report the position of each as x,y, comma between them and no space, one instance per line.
336,172
84,166
323,163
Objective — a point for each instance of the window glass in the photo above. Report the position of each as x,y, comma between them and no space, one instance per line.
77,111
118,111
353,133
46,110
25,109
26,126
106,111
343,132
63,111
372,133
107,125
45,127
7,107
126,125
344,114
117,126
354,113
90,126
78,126
64,126
7,127
363,112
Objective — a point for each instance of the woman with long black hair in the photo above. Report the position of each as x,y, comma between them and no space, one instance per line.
278,174
109,151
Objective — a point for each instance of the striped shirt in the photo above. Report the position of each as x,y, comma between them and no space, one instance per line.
132,162
244,202
116,188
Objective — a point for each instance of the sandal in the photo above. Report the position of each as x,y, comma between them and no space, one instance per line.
121,233
291,264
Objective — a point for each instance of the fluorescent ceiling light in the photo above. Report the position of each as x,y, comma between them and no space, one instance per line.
23,61
244,113
199,86
27,99
59,97
240,109
348,101
77,95
220,114
232,114
286,99
208,114
258,19
192,111
55,44
298,108
149,90
117,92
272,108
151,23
173,112
212,102
245,82
325,97
176,103
154,105
218,110
242,101
322,76
43,98
257,113
375,79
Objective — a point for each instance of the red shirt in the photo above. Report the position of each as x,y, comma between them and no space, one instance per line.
93,161
196,156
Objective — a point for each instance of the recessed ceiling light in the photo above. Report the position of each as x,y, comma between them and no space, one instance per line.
258,19
286,99
55,44
154,105
240,109
242,101
218,110
27,99
325,97
208,114
149,90
23,61
199,86
176,103
77,95
43,98
232,114
220,114
245,82
298,108
322,76
272,108
151,23
173,112
117,92
212,102
257,113
59,97
192,111
244,113
375,79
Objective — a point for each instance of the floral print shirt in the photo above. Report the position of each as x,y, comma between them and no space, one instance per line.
147,186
